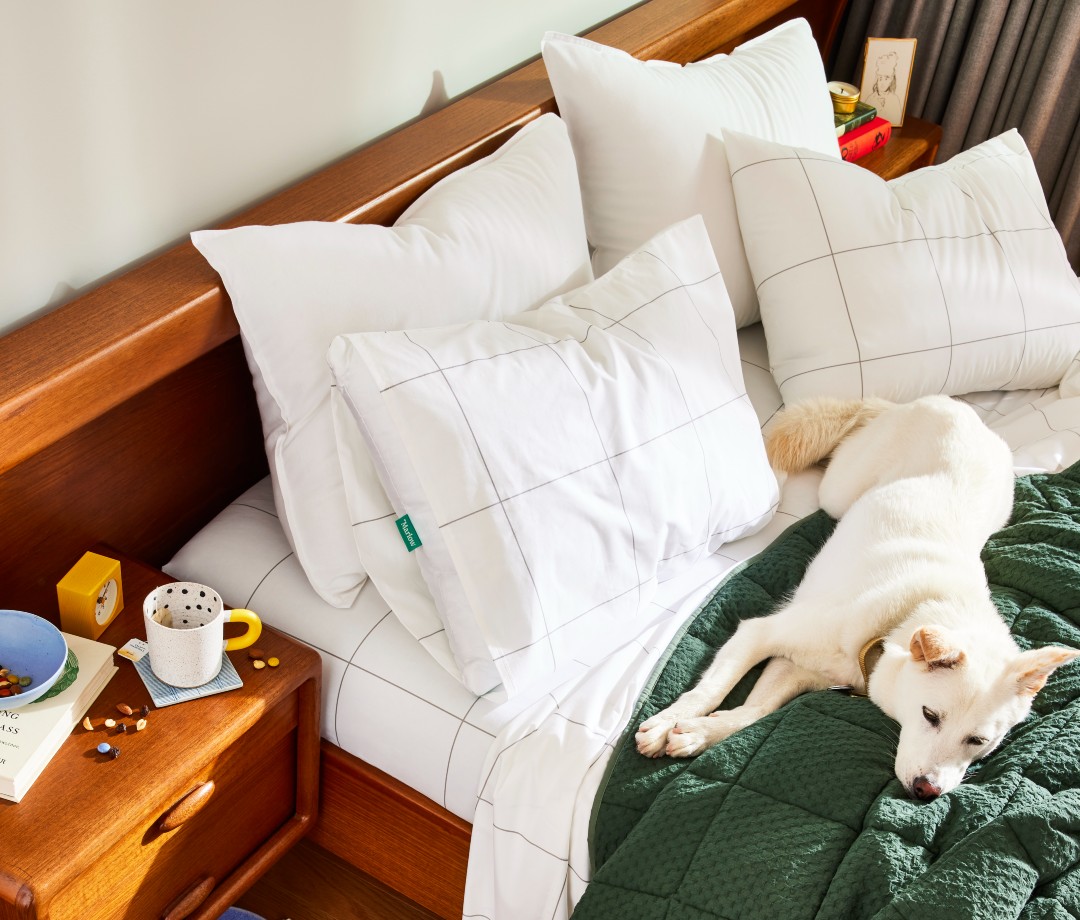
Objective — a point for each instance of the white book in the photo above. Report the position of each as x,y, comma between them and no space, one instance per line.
30,735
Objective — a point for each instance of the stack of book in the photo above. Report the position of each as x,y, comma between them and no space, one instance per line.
861,132
863,113
30,735
865,139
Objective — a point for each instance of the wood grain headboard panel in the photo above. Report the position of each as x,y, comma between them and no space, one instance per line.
99,398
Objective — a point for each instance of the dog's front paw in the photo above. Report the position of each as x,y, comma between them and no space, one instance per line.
689,737
652,734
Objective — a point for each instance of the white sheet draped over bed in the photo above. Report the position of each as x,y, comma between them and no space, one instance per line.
529,855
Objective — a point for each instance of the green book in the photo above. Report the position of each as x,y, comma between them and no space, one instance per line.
862,114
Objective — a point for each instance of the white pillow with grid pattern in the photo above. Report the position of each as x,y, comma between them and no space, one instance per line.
499,236
951,279
648,136
555,466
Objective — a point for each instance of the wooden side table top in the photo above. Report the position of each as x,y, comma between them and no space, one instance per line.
84,803
911,146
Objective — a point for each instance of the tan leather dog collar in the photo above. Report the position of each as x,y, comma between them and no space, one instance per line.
869,655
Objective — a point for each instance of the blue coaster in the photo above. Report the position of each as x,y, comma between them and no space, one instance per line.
165,695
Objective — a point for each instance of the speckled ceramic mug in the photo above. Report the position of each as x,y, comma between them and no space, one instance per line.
185,624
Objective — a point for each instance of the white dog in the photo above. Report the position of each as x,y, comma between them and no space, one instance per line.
918,489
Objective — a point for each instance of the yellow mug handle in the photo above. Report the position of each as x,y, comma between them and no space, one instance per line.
254,629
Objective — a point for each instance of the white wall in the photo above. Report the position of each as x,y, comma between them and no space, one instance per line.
124,124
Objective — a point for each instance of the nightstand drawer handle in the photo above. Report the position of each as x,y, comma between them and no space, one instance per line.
187,807
189,901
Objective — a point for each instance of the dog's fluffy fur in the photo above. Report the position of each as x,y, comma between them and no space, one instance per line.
918,489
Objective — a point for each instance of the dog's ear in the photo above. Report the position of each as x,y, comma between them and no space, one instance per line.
1032,668
937,647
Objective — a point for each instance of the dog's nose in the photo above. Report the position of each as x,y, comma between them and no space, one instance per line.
924,790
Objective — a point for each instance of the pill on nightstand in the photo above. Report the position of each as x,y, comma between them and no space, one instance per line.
258,664
104,747
273,662
255,653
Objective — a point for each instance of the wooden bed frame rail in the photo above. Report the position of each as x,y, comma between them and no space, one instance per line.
127,416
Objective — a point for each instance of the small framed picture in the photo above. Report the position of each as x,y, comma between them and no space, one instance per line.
887,76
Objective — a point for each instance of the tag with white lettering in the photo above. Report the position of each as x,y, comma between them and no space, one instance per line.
408,533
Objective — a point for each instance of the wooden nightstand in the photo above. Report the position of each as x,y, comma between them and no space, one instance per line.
235,774
911,147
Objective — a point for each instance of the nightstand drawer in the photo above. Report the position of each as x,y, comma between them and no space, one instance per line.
212,832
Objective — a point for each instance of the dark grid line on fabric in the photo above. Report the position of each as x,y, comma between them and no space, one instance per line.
919,351
1012,163
495,489
252,507
905,179
941,287
483,786
686,404
381,517
453,744
839,277
266,576
704,322
615,597
562,893
570,622
345,671
869,246
581,341
1012,274
604,450
415,696
589,466
717,533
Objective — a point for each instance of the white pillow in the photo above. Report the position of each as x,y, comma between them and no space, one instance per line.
555,466
646,136
494,238
950,279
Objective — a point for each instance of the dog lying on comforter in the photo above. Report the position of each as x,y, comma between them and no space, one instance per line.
918,489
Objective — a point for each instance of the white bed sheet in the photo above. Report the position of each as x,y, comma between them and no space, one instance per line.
524,773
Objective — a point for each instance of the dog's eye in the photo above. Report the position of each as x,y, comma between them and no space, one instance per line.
932,717
975,741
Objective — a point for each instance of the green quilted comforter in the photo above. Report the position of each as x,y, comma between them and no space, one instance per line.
800,815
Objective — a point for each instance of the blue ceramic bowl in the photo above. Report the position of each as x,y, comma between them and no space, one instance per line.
32,646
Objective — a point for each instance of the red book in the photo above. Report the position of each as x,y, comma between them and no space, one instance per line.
865,139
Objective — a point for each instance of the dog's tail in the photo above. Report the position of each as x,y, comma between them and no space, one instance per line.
806,432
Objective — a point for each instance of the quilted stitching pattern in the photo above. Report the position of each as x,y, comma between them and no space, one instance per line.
800,815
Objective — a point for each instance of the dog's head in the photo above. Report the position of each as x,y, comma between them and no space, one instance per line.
955,699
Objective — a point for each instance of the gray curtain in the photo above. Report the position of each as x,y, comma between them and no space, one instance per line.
983,67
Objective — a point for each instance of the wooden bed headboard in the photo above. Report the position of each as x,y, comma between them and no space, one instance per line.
127,416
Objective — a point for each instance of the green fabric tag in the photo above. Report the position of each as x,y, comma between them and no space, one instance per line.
408,533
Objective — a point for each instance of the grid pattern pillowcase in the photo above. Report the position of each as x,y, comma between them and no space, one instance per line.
502,235
648,136
554,467
951,279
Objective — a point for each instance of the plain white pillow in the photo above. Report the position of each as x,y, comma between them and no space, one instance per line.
648,136
951,279
494,238
559,464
